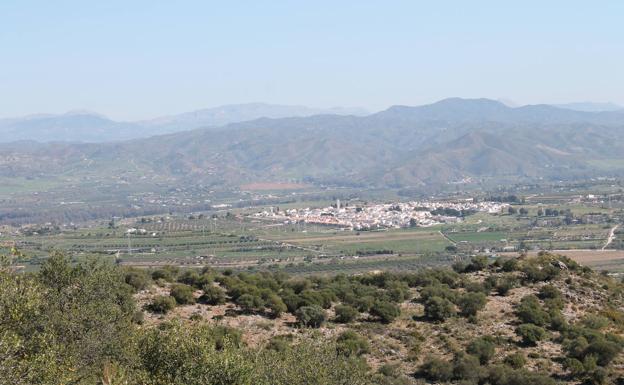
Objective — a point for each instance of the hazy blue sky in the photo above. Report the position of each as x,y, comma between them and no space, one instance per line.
135,59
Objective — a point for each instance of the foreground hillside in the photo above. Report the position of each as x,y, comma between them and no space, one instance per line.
539,320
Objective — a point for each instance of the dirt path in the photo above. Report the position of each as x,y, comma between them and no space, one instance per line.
447,238
611,237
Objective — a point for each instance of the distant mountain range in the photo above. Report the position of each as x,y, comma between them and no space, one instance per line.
590,106
454,140
84,126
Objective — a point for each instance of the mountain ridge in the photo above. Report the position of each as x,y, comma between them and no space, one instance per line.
92,127
432,145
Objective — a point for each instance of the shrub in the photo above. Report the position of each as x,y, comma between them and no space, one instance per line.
437,369
345,313
164,274
483,348
389,370
536,273
558,322
466,368
439,309
598,376
183,354
397,291
162,304
182,293
477,263
279,344
350,343
530,311
503,286
595,322
307,363
459,266
310,316
574,366
531,334
212,295
138,317
510,265
549,291
276,305
477,287
604,351
249,303
189,277
439,290
385,311
138,279
365,303
515,360
470,303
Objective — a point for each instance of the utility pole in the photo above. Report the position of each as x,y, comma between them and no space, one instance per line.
129,244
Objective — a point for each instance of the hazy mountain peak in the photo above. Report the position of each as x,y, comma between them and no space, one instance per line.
81,112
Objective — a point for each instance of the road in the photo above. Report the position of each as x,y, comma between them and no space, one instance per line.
611,237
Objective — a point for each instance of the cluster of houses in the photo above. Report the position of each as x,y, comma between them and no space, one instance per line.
387,215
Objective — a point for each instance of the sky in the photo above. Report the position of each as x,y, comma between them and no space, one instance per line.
145,58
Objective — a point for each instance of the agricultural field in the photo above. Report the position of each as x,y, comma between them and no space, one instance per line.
234,238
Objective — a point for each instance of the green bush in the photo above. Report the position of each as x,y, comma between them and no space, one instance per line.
510,265
212,295
311,316
437,369
309,363
515,360
279,344
503,286
138,279
166,274
189,277
397,291
531,334
470,303
276,305
598,376
483,348
345,313
503,375
477,263
438,290
187,354
466,368
182,293
549,291
574,366
386,312
558,322
364,303
349,343
530,311
439,309
538,273
250,303
604,351
162,304
595,322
